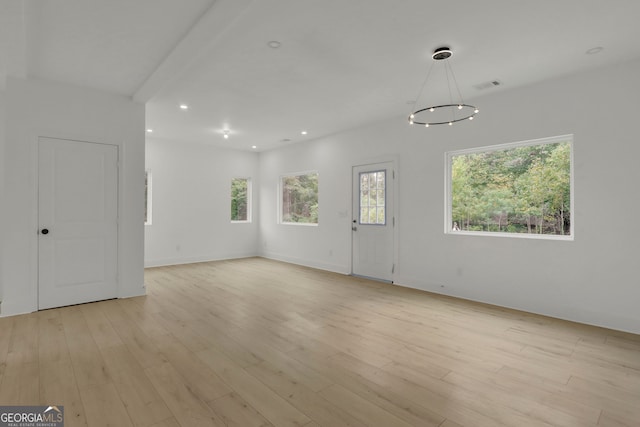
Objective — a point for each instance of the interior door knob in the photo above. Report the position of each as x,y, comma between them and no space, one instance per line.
45,231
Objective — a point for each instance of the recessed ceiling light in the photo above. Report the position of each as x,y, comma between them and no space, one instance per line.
254,146
184,107
274,44
594,50
225,133
304,132
150,130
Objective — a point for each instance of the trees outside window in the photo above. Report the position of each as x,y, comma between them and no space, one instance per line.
240,200
514,189
373,198
299,198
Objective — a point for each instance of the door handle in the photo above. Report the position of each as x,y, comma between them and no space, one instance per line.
45,231
354,227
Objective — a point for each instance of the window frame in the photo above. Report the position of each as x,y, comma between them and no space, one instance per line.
249,192
280,194
369,206
148,177
448,160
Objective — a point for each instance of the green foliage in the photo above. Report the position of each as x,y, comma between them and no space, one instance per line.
517,190
300,198
239,199
372,197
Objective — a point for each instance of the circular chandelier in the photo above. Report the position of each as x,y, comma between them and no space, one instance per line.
444,114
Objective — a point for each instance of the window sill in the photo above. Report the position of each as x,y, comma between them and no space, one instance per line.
512,235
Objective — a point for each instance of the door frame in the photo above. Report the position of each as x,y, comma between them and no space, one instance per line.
34,220
394,160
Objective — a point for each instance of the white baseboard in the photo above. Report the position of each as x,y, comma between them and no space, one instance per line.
334,268
193,260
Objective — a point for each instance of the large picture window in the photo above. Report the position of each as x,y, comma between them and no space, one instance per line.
522,189
299,198
241,200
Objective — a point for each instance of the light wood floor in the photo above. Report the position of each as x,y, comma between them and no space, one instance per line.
259,343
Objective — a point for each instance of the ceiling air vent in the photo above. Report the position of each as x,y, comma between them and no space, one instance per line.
487,85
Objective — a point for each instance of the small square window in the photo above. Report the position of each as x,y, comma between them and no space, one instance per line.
241,200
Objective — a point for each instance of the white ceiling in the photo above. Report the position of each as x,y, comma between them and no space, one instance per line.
341,63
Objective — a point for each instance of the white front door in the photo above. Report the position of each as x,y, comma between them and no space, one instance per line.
78,220
373,221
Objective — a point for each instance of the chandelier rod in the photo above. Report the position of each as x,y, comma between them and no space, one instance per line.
415,103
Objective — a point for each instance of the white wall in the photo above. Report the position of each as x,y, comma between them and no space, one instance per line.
36,108
191,203
593,279
2,201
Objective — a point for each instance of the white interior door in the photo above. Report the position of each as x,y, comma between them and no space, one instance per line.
373,221
77,214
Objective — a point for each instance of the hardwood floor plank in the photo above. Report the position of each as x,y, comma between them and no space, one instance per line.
187,407
258,342
200,378
623,340
104,407
538,412
457,405
101,329
608,398
23,344
52,343
20,384
279,359
540,390
143,311
169,422
271,405
370,414
304,399
88,365
6,332
609,420
137,342
236,412
142,402
379,395
180,330
58,386
226,341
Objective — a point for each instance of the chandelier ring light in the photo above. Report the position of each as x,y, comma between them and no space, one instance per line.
459,111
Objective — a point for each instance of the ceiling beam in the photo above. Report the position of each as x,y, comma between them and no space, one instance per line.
14,19
204,34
